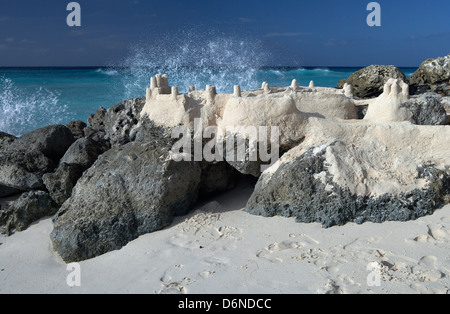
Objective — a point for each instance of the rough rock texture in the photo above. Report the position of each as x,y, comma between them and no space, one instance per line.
303,188
28,208
427,109
432,72
84,152
369,82
77,128
22,171
6,139
122,120
24,161
129,191
61,182
97,120
78,158
53,141
357,171
433,75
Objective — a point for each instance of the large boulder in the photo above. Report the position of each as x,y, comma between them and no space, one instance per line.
432,71
433,75
84,152
358,172
22,171
129,191
78,158
61,182
369,82
25,160
52,141
28,208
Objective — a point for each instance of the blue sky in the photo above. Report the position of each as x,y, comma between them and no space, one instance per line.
297,33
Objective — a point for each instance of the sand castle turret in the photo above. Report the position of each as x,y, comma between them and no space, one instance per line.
174,92
266,88
294,84
237,91
312,85
159,85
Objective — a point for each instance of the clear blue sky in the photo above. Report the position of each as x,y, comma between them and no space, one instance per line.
295,32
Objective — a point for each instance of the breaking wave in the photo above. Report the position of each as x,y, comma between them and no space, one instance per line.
22,111
108,72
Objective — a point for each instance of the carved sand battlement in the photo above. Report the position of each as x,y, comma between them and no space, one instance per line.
166,106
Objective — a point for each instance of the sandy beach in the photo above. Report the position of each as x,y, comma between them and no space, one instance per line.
218,248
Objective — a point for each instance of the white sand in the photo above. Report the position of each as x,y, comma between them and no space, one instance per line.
221,249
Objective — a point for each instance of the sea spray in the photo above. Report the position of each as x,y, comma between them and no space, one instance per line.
22,112
197,59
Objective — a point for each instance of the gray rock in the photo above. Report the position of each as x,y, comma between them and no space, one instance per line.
369,82
6,139
97,120
129,191
303,188
53,141
77,128
122,121
84,152
28,208
24,161
427,109
22,171
432,72
61,182
78,158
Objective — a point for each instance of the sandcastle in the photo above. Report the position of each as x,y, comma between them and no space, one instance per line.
268,106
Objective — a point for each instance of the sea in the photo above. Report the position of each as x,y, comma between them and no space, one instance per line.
31,98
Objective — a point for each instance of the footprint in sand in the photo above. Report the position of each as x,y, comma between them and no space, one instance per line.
206,274
437,231
171,285
277,251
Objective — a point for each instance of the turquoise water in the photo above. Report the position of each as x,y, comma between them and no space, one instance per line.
31,98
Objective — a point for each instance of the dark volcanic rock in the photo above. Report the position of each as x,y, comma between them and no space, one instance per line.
22,171
369,82
427,109
122,121
129,191
432,71
433,75
24,161
77,128
28,208
61,182
84,152
303,188
53,141
6,139
78,158
97,120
